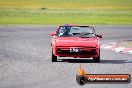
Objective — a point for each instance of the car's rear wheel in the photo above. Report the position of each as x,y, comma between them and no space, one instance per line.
54,58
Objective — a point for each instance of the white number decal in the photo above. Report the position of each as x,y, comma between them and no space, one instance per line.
74,50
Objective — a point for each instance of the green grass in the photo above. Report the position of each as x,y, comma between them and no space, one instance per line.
67,4
65,11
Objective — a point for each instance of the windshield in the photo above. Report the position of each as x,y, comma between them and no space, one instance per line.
76,31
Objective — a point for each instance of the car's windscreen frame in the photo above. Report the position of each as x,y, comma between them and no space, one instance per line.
75,29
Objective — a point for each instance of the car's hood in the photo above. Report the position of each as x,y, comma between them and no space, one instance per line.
76,41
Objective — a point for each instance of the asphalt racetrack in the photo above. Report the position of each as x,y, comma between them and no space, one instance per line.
25,59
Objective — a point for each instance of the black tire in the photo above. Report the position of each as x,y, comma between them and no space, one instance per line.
54,58
97,59
81,80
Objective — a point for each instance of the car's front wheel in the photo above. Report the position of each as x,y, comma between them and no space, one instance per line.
96,59
54,58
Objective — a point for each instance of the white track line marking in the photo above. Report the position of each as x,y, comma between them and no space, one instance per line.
114,47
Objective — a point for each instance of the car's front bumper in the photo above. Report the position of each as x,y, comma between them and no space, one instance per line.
84,52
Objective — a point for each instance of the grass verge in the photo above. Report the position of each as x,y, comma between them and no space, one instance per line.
102,12
38,16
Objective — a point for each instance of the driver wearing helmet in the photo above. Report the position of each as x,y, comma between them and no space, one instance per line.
65,31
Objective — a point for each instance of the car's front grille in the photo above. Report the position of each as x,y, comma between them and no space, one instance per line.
84,51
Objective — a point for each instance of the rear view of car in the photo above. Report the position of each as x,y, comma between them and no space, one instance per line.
75,41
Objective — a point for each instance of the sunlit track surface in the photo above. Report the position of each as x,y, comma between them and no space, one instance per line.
25,59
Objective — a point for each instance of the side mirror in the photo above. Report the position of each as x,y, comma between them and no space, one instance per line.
52,33
100,36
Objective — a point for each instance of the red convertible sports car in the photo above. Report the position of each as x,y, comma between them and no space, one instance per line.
75,41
